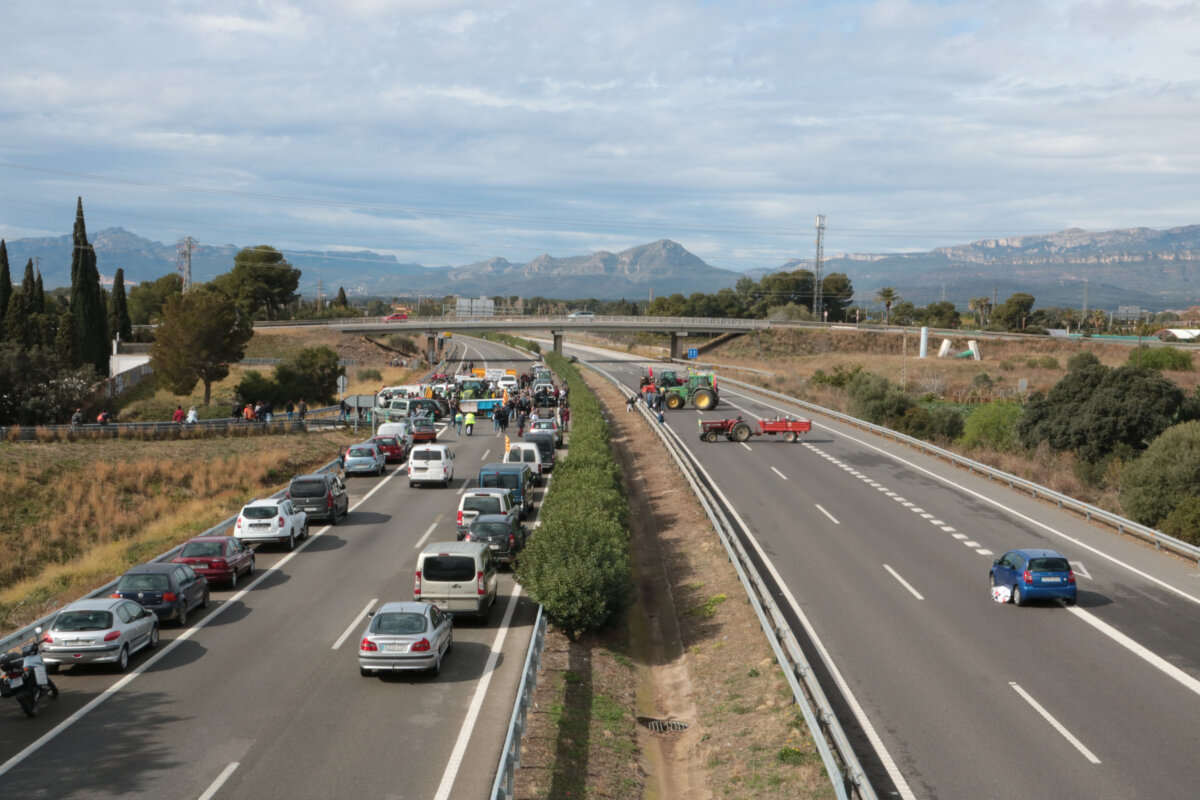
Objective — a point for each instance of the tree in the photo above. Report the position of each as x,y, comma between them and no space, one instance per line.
145,301
942,314
118,310
887,295
837,294
310,373
1164,476
341,301
6,288
88,317
261,281
1012,313
992,425
40,387
200,335
18,320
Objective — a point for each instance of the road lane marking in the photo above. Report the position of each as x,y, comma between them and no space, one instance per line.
903,582
485,454
468,726
969,543
216,785
780,474
743,444
353,624
428,533
826,513
1142,652
983,551
1080,569
960,536
1058,726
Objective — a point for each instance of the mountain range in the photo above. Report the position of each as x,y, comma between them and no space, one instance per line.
1153,269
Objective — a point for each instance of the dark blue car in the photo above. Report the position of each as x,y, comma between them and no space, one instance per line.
1035,574
168,589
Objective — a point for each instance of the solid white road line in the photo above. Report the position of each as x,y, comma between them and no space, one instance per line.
468,726
215,786
826,513
354,624
1186,680
1058,726
903,582
164,650
780,474
421,542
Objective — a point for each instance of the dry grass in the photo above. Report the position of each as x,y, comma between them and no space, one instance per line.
79,513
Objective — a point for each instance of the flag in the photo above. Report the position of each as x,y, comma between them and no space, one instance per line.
507,444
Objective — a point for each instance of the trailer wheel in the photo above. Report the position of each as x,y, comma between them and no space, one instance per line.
790,436
674,402
711,436
704,400
740,432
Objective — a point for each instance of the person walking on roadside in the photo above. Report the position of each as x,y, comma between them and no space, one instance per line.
469,422
458,422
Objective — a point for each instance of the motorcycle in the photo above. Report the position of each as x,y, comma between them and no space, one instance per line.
24,677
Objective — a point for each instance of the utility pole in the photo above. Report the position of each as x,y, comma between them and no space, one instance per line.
818,269
318,294
184,248
1083,320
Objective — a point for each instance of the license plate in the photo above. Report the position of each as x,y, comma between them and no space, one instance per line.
494,546
395,648
1052,579
258,526
75,642
16,683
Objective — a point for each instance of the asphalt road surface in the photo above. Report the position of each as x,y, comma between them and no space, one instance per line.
885,553
260,695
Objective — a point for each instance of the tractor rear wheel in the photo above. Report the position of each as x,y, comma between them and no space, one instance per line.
674,402
740,432
704,399
711,436
790,436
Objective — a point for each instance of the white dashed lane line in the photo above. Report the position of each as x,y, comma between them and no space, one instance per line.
780,474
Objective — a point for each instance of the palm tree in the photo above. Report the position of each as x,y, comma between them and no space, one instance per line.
887,295
1099,319
1070,316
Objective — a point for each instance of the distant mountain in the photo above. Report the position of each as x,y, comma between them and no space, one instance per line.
1139,266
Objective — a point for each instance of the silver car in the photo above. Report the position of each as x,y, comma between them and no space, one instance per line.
364,458
405,636
99,631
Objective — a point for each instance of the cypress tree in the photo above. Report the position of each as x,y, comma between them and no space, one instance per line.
341,298
5,282
39,295
90,321
119,323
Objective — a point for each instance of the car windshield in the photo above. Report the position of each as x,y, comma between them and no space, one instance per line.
259,512
361,452
449,568
398,624
503,480
482,504
308,488
386,441
142,582
84,621
201,549
423,424
489,529
426,455
1049,564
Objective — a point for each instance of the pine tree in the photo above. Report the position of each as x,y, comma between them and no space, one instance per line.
5,282
119,323
90,322
39,295
341,301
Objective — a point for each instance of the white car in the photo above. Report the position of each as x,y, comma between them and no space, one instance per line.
507,382
430,463
271,521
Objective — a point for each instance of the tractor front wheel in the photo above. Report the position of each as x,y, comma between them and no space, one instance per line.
674,402
704,400
711,436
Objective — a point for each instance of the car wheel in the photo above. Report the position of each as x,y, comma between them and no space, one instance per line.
333,517
250,570
122,659
304,532
183,612
204,602
992,579
436,669
790,436
1018,596
291,540
1069,600
153,643
366,673
233,580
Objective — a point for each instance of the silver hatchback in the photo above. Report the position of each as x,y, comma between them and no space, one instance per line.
99,631
405,636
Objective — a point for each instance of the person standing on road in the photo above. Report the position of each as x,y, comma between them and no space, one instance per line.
521,419
458,422
469,422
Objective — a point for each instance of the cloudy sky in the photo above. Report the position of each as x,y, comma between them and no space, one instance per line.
449,131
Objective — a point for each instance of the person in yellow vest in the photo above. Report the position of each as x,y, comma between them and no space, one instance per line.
469,422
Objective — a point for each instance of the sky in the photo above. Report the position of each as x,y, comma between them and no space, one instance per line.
446,132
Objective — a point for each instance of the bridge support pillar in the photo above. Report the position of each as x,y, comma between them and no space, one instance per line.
558,337
675,350
431,348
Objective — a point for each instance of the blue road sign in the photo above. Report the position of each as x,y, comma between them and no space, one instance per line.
693,352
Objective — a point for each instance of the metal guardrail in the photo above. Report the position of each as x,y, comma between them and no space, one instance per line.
504,787
846,773
1089,512
280,422
13,639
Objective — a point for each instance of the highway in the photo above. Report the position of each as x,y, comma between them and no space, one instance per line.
261,696
884,553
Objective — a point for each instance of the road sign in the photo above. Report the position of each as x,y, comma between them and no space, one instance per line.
693,352
342,383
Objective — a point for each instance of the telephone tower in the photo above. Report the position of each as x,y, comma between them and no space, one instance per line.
184,248
818,269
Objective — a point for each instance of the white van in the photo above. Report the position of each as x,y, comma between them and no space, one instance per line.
459,577
581,315
526,453
430,463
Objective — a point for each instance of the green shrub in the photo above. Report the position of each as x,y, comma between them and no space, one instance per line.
1161,358
983,381
369,375
840,378
874,399
1166,475
1184,521
992,425
1006,365
1048,362
1082,359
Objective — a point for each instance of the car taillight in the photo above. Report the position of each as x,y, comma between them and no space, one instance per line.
219,563
368,646
170,597
460,518
116,595
288,494
1070,576
420,647
281,522
329,500
512,541
238,524
467,537
112,636
47,640
417,586
1028,576
479,587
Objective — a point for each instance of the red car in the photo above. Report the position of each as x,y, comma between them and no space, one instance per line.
396,318
423,429
221,559
391,446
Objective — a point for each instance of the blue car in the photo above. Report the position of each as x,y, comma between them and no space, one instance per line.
1035,574
364,458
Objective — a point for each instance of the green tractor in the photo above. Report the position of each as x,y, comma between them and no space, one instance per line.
700,389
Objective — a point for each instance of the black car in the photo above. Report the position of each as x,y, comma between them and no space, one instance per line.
320,496
504,535
169,590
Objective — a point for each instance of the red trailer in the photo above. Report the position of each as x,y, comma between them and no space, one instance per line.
739,430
